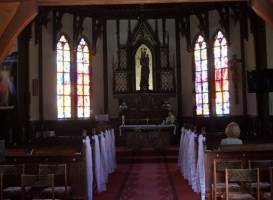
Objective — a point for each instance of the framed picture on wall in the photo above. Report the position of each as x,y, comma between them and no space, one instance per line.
8,77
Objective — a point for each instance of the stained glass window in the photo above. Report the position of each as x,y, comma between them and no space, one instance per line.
83,80
201,77
63,79
220,50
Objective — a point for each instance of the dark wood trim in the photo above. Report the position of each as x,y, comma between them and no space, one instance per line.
259,32
105,70
66,127
40,75
154,11
23,94
211,84
242,45
178,68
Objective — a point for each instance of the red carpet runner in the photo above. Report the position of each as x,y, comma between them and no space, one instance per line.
147,176
148,181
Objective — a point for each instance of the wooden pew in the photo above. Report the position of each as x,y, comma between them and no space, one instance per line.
244,152
55,150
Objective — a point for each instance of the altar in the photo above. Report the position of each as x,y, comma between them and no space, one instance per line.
156,136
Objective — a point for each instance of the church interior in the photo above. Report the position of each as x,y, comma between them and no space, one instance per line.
136,100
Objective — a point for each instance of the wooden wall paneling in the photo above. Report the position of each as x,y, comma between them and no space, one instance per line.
68,127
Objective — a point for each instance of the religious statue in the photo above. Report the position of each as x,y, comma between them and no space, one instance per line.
170,119
145,70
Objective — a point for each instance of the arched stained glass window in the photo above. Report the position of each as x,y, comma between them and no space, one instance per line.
63,79
220,50
201,77
83,80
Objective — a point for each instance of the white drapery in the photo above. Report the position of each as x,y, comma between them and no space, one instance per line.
105,157
89,168
191,160
99,174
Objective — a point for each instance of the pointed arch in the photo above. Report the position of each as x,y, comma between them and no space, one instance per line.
201,76
63,62
221,74
83,79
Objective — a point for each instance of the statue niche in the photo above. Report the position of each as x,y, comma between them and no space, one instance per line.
143,64
143,69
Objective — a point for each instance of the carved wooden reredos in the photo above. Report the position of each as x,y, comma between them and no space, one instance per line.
162,72
128,75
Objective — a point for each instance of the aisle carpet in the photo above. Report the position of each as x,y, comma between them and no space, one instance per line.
148,181
139,179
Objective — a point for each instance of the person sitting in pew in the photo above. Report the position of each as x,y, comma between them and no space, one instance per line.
232,131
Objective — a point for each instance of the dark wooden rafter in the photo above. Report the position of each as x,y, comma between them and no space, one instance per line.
152,11
57,16
41,20
224,21
240,14
203,18
184,27
77,26
252,19
97,30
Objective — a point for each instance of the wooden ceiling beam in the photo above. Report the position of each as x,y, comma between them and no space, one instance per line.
7,11
113,2
25,13
264,8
